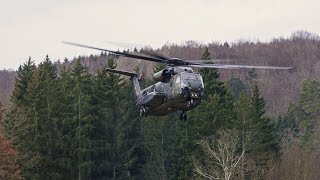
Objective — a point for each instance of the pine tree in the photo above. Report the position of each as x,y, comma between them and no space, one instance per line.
162,136
19,98
114,119
111,117
302,118
245,117
267,145
217,105
66,161
23,80
18,123
82,120
309,107
102,131
266,126
134,156
257,132
154,143
210,76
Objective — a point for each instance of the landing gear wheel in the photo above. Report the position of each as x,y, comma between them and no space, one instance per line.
183,116
143,112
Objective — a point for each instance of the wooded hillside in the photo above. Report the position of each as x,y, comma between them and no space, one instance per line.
76,120
279,88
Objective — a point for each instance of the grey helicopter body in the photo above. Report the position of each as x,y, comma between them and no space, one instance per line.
178,87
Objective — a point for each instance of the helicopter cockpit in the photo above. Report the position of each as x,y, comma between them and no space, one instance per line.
191,82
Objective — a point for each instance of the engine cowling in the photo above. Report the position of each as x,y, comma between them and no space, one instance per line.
162,76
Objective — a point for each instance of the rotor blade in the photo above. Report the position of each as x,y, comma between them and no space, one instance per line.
159,56
229,66
133,45
154,59
209,61
122,72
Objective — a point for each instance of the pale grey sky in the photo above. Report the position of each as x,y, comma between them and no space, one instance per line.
36,27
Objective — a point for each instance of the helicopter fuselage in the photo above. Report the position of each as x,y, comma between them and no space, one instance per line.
182,92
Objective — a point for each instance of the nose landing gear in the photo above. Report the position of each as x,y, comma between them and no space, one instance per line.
143,112
191,103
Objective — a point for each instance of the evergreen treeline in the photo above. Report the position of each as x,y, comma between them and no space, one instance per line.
73,125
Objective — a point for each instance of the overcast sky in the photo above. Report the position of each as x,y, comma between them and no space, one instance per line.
36,27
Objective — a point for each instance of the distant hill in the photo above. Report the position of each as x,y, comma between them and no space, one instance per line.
279,88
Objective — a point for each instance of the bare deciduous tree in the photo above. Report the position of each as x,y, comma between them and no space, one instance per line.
222,157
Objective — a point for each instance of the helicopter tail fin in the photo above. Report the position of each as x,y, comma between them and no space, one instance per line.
133,77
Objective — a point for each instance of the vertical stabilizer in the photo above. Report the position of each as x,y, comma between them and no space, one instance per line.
136,85
133,77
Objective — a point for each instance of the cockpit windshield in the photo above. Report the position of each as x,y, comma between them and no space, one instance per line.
195,79
191,76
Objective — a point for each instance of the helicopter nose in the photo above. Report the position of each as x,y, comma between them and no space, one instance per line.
187,92
201,91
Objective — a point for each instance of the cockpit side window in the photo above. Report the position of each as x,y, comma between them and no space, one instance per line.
201,80
178,79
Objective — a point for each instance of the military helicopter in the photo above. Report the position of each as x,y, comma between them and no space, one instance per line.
178,87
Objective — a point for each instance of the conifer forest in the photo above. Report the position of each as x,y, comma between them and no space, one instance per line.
72,119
